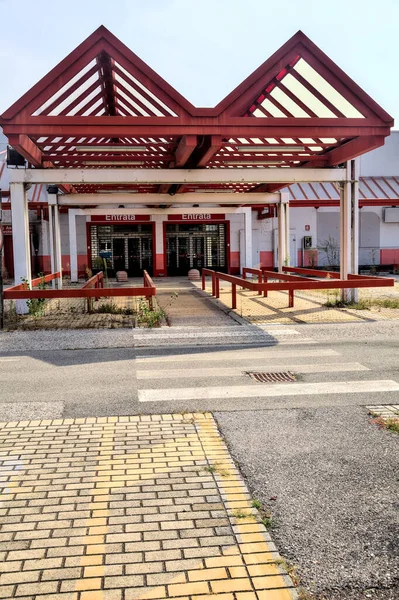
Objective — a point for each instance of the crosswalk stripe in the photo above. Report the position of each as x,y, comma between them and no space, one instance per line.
268,391
150,373
240,354
209,334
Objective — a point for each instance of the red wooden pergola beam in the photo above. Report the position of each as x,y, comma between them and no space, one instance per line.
105,66
342,82
70,91
153,102
325,101
251,124
24,145
240,129
354,148
184,150
56,78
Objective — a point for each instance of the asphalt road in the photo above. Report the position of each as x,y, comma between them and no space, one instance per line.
78,382
332,475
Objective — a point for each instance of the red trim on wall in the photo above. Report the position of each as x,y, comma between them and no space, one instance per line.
266,258
389,256
234,262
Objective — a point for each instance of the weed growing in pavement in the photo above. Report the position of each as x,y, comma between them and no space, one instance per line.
210,469
257,504
390,423
267,521
36,305
291,569
215,468
239,514
113,309
151,318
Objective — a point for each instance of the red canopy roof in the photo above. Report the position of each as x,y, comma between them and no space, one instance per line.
102,106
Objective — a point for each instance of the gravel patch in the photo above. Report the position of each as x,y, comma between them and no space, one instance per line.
330,479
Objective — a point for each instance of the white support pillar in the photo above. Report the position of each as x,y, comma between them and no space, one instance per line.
354,173
345,230
73,245
56,235
21,239
51,240
286,208
248,237
281,225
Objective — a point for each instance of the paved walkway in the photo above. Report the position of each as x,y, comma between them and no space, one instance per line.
190,307
130,508
309,306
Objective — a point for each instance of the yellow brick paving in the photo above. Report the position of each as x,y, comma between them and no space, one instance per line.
129,508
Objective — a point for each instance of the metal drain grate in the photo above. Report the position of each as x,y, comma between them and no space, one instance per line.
284,377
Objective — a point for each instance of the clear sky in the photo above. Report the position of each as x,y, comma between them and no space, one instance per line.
204,48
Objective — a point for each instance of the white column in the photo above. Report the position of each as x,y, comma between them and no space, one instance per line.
20,239
281,251
248,237
286,208
345,230
51,240
57,240
355,223
73,245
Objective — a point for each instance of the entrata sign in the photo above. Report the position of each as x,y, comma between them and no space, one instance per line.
119,218
196,217
7,229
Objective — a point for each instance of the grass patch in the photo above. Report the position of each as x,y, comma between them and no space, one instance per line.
364,303
112,309
257,504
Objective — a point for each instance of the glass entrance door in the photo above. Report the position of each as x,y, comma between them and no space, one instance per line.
125,248
195,246
118,251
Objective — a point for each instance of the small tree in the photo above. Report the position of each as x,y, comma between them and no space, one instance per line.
330,247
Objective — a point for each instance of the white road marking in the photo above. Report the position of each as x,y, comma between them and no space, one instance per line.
210,334
151,373
268,391
240,354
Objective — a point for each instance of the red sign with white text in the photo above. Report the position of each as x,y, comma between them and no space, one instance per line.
196,217
119,219
7,229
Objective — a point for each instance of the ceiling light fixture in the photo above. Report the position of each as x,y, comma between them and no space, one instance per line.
270,148
96,163
255,162
110,148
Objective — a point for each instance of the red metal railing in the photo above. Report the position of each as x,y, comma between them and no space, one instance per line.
93,288
290,283
35,282
206,272
313,272
257,272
